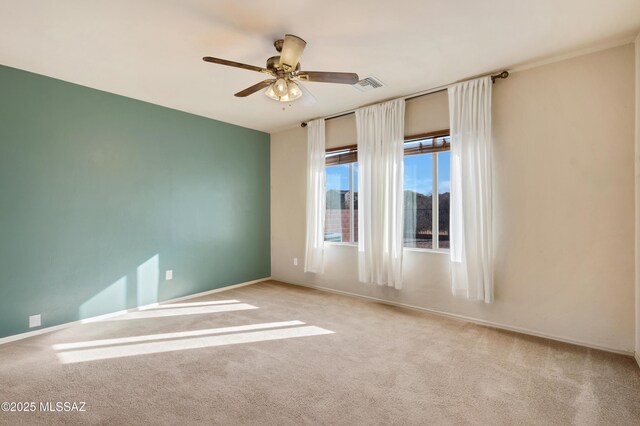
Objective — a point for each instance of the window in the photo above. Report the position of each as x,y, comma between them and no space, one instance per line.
427,172
341,216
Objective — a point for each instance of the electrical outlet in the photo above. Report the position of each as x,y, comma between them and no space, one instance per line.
295,261
35,321
168,275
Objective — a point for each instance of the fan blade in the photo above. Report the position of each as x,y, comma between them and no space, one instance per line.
235,64
291,52
329,77
253,89
307,98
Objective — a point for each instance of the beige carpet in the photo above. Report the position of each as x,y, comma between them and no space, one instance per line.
352,362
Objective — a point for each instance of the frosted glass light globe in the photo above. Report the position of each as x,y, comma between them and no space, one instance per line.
280,87
294,91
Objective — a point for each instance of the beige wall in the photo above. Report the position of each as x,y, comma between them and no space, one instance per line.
422,115
564,203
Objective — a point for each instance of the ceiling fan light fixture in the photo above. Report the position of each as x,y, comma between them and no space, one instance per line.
291,91
280,87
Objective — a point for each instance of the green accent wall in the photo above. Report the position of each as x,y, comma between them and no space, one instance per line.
100,194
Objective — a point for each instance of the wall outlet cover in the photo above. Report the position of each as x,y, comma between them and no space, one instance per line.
295,261
168,275
35,321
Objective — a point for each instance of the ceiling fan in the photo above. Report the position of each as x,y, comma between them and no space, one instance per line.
285,71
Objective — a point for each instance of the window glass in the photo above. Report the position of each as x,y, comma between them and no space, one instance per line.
418,205
337,217
355,202
444,185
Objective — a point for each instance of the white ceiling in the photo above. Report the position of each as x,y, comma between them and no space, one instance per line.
152,49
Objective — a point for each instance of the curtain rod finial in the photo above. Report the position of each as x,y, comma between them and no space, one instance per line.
503,74
303,124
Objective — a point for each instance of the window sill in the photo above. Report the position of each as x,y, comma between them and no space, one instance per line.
424,250
419,250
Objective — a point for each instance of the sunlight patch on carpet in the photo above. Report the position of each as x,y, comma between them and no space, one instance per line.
137,349
176,335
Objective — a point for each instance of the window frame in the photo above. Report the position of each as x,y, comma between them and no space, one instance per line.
435,190
349,155
352,234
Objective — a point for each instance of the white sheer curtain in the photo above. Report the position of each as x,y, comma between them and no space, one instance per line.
471,194
316,197
380,193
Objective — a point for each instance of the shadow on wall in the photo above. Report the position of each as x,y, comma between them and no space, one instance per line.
114,297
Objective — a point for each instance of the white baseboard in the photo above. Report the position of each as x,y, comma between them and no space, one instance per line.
475,320
115,314
637,356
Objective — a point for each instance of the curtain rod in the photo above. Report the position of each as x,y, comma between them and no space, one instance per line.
503,74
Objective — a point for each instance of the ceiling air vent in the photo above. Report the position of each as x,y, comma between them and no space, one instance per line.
368,83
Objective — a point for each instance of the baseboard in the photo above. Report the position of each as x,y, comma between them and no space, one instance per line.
637,356
115,314
204,293
474,320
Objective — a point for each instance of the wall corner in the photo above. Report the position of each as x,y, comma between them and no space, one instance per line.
637,199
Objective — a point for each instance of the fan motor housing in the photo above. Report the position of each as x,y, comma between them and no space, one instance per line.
273,64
